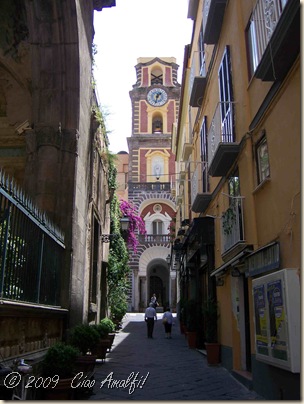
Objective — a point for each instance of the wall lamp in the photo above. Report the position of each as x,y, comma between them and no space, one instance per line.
235,272
124,225
220,281
168,259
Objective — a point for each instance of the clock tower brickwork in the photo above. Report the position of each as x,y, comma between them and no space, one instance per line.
155,104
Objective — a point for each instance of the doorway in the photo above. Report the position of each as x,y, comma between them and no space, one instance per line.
157,287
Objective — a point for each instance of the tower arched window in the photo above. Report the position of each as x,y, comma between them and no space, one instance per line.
156,76
157,124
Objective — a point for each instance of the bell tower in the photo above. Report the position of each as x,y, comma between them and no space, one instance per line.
155,105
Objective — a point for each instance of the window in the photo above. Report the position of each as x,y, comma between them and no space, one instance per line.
226,97
156,76
157,227
234,185
202,55
262,160
204,156
261,26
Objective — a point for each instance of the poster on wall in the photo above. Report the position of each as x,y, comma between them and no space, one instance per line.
276,301
260,319
277,320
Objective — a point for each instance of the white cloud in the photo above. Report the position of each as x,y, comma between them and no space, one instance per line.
133,29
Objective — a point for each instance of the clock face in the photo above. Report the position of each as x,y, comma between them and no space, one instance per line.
157,97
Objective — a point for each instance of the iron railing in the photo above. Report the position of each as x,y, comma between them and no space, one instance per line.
232,224
221,129
199,180
31,249
150,186
264,19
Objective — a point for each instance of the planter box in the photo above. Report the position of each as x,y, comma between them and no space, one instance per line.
213,352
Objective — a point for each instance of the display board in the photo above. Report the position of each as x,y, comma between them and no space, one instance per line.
277,303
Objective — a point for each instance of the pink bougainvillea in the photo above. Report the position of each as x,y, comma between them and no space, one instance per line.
136,223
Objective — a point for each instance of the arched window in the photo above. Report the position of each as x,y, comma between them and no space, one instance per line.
157,227
157,123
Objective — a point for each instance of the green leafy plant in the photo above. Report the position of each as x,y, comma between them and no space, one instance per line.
229,220
107,324
60,360
118,262
210,316
83,337
191,315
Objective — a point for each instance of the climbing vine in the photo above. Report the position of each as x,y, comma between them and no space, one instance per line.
136,223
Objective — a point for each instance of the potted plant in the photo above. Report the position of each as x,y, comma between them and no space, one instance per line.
106,332
59,365
211,315
84,337
181,316
191,322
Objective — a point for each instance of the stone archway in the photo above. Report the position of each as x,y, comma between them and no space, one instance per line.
152,263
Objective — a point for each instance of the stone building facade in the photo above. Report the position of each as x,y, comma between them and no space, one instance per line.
51,144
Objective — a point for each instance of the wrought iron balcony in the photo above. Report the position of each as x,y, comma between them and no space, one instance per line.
222,148
232,226
200,194
149,186
213,14
275,32
198,79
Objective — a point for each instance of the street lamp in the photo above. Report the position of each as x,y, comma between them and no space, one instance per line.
124,224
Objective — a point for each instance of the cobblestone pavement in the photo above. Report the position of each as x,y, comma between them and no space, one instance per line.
138,368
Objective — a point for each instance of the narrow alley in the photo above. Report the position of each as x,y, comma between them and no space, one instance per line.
138,368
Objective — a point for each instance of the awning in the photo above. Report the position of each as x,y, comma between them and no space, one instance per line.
233,261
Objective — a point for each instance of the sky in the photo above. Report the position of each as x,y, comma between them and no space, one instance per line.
133,29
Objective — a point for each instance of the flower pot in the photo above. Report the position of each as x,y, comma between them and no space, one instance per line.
111,337
85,363
182,327
191,337
213,350
101,348
61,390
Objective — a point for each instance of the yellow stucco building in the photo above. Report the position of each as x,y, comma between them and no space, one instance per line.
237,147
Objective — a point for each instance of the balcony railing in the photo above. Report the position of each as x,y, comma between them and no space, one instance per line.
149,186
213,14
265,17
200,194
222,149
154,238
198,79
232,225
31,250
274,37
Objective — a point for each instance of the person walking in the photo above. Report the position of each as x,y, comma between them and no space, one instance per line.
154,301
168,321
150,315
